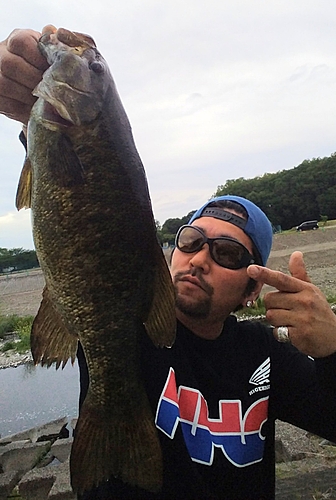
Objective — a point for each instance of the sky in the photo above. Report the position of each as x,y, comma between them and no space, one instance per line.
214,91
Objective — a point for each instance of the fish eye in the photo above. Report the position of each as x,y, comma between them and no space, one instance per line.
97,67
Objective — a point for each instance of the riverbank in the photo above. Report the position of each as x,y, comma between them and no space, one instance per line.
34,464
12,359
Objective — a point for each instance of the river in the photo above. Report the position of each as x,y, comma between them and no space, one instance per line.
31,396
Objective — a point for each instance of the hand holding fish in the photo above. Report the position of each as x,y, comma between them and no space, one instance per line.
21,69
299,305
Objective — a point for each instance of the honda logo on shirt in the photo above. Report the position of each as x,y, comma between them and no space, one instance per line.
237,435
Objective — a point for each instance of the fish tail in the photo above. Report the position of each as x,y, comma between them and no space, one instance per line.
125,447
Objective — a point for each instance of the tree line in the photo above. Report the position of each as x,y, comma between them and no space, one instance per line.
288,197
17,259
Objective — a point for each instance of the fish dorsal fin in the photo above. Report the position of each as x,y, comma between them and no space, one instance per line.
161,321
75,39
51,341
23,194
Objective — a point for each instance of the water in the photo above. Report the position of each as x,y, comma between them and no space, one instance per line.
31,396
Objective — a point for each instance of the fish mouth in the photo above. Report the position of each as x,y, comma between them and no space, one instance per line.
52,115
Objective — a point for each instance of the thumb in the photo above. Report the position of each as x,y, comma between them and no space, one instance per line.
297,267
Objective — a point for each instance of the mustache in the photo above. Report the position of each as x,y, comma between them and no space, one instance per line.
198,274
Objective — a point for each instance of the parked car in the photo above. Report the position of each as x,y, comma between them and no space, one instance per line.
306,226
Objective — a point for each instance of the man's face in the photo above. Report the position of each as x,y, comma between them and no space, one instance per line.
203,288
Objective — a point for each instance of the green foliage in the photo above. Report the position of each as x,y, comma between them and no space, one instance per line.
23,328
258,309
331,299
290,197
19,325
7,325
24,343
17,259
324,219
8,346
169,229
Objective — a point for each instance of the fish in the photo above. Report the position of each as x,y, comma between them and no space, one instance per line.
105,272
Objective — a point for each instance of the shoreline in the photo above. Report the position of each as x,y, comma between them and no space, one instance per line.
12,359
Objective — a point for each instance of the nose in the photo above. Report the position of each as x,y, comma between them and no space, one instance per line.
201,259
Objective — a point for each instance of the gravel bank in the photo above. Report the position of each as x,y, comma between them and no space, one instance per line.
12,359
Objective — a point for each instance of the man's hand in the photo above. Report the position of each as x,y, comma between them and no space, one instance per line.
21,69
299,305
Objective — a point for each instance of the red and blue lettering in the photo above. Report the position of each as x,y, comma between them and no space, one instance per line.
237,435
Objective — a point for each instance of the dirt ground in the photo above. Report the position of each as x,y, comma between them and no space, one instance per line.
21,293
319,251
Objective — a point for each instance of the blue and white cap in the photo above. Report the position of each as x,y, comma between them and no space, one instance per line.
257,226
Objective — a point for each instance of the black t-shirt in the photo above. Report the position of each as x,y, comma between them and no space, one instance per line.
214,404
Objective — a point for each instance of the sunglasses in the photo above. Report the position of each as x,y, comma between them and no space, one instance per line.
225,251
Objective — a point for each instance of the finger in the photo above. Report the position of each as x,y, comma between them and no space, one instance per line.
279,312
15,68
49,28
276,279
15,90
297,267
15,110
281,334
23,43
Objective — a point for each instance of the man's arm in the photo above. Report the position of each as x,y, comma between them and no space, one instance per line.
21,69
299,305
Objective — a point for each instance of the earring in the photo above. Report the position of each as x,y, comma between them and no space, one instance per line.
249,303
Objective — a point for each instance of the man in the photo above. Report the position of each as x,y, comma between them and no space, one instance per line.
217,392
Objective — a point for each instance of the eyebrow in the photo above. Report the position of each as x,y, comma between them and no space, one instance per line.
223,235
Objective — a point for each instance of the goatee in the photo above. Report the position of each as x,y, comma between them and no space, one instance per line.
199,309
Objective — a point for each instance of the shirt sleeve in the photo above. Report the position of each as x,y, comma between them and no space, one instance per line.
304,390
23,139
83,374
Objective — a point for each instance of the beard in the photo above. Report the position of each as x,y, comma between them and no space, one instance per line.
198,309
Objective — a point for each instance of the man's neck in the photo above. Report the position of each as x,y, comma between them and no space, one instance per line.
201,327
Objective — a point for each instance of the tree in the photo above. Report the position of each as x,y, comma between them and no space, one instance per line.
292,196
17,259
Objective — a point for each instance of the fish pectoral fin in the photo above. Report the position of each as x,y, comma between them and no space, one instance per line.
70,171
50,340
23,194
161,321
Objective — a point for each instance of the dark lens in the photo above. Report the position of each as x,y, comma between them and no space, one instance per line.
228,253
189,239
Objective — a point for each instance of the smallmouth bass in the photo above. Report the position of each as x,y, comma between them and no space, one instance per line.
105,273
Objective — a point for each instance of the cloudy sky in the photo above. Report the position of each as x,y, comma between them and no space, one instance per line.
214,90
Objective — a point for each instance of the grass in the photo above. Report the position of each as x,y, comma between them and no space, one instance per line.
21,326
7,325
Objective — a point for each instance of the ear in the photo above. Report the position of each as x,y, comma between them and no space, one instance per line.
255,294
